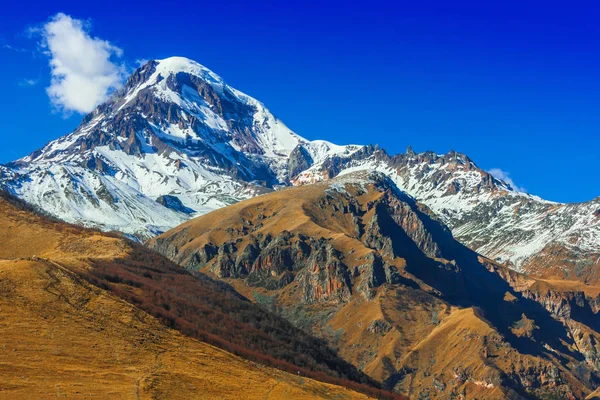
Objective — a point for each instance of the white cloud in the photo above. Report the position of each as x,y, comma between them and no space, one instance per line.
13,48
505,176
82,68
140,62
29,82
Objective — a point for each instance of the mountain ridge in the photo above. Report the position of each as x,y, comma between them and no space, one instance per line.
176,142
486,214
158,136
356,261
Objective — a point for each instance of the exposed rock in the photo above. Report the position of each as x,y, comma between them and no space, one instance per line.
173,203
379,327
403,300
326,278
299,160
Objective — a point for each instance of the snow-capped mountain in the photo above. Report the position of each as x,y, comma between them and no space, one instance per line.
524,231
176,141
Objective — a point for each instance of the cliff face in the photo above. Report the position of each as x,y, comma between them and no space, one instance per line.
274,259
575,305
360,264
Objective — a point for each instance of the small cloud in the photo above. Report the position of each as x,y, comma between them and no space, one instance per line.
13,48
29,82
140,62
83,68
505,176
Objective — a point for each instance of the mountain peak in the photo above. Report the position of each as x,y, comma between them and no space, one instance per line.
175,129
178,63
178,141
174,65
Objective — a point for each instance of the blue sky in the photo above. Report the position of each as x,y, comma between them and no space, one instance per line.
514,86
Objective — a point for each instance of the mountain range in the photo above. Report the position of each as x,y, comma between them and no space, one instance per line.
177,142
174,142
86,313
418,273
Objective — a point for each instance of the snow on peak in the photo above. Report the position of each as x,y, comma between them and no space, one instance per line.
274,137
174,65
208,145
175,129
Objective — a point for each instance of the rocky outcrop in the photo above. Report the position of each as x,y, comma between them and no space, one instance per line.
563,302
395,228
325,277
173,203
299,160
275,262
379,326
567,305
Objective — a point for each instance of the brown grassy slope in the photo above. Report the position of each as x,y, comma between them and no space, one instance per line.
449,324
295,210
268,214
62,337
197,307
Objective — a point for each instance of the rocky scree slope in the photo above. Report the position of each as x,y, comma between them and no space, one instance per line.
360,264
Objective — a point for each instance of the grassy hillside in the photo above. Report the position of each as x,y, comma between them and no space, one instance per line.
63,337
100,306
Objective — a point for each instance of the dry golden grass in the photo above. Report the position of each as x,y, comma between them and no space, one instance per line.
561,285
63,337
545,285
362,346
446,345
595,395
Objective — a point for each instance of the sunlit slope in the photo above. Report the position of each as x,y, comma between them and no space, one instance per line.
62,336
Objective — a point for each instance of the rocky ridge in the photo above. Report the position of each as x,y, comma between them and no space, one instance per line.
359,263
518,229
